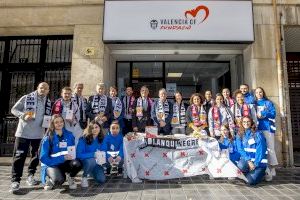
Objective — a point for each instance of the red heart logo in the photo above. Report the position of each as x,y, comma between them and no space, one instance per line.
195,11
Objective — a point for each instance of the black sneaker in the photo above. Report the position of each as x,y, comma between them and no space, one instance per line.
108,171
120,172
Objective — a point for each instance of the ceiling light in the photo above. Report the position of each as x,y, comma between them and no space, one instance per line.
174,75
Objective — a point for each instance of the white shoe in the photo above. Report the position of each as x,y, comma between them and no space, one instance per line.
71,181
14,187
273,171
48,185
31,181
268,176
84,182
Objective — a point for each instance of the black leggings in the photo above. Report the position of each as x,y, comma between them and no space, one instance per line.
57,174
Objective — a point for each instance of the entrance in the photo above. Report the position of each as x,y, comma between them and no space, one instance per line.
187,77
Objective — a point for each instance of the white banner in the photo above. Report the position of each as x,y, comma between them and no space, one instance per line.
156,163
162,21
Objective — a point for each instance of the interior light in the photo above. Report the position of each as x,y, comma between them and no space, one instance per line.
174,75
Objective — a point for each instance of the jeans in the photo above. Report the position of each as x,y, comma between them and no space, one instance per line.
19,156
255,176
57,174
92,168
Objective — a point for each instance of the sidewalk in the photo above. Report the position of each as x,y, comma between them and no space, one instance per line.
285,186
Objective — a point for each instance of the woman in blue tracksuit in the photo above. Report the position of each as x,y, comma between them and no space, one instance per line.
252,146
54,155
113,146
266,115
88,145
227,141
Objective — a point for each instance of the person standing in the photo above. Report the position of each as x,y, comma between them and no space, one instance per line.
142,111
266,115
117,106
33,111
128,102
249,97
99,107
69,111
81,102
162,113
178,121
228,101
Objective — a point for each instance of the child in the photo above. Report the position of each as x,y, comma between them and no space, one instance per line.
227,141
113,146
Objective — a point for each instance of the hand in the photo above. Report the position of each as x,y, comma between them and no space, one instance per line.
110,160
97,118
27,117
68,157
162,124
118,159
251,165
135,129
259,115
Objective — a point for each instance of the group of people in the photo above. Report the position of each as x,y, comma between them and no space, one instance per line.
243,124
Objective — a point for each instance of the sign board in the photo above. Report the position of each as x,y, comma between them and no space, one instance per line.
181,21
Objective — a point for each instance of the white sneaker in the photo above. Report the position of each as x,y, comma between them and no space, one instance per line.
48,185
268,176
14,187
31,181
71,181
84,182
273,171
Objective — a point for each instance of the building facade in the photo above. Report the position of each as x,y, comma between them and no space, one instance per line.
68,36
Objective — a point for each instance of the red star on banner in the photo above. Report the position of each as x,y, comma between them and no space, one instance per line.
146,155
219,170
166,173
239,172
184,171
201,152
132,155
147,173
203,169
165,155
183,154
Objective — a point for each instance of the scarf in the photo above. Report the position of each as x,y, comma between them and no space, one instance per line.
81,105
31,104
199,118
128,105
240,112
140,107
58,107
216,115
117,107
99,104
178,115
162,110
229,102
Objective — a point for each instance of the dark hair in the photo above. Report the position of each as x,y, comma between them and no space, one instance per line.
245,85
88,134
242,129
113,87
230,136
177,92
196,95
236,92
115,122
66,89
264,93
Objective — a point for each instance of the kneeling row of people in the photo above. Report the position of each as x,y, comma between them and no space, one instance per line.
58,164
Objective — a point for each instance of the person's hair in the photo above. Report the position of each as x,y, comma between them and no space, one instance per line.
196,95
177,92
114,122
230,136
66,89
113,87
162,90
264,93
236,92
76,84
245,85
225,89
42,83
50,131
88,134
242,130
144,86
219,95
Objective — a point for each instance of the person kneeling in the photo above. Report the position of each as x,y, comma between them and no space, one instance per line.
57,155
113,146
89,145
252,146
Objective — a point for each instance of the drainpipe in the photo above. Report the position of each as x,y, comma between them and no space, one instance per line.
287,150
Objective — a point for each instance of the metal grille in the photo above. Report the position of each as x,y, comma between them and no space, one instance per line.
293,68
25,51
24,62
